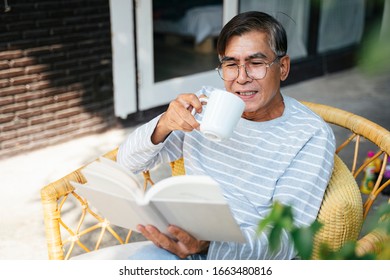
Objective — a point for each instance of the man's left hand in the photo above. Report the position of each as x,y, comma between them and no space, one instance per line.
183,244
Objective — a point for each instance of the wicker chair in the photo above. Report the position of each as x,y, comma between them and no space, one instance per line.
343,210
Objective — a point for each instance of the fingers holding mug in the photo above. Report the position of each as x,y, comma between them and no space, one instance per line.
203,100
179,112
178,117
194,103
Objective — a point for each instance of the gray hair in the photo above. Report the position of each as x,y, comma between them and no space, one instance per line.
254,21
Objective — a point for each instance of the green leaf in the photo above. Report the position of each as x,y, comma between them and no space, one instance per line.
279,215
274,238
279,218
303,239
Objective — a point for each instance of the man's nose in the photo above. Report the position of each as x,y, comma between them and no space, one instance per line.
242,74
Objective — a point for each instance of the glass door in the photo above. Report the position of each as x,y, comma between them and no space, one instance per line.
176,47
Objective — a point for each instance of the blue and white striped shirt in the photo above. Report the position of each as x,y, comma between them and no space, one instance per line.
288,159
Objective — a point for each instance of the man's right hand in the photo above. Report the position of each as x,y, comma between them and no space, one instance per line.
178,117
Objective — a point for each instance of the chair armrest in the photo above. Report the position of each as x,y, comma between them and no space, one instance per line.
50,196
372,242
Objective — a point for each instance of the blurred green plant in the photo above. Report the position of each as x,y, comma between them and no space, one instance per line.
281,219
374,53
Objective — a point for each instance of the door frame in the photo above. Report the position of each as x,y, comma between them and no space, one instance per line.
123,58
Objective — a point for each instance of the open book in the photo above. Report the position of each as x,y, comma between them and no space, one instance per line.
193,203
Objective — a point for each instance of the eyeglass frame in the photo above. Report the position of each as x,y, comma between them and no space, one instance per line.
267,65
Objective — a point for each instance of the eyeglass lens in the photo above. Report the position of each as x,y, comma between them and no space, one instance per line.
231,71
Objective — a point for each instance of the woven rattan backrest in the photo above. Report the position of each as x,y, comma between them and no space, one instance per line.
362,135
356,135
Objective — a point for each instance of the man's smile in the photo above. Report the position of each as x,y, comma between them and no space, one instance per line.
246,93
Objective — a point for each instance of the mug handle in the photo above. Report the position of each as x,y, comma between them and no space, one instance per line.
201,99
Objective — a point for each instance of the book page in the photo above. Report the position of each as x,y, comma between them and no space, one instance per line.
120,210
110,176
186,188
196,204
116,167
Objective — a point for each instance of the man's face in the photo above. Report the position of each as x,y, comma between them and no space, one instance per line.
262,98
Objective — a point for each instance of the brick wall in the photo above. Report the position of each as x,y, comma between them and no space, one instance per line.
55,72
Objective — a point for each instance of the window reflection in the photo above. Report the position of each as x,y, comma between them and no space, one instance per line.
184,34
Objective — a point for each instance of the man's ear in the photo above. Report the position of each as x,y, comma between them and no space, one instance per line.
284,67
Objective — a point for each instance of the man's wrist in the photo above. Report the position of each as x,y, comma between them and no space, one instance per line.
204,247
160,133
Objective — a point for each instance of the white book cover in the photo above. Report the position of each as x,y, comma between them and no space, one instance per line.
193,203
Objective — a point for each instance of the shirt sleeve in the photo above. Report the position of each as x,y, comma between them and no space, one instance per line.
137,153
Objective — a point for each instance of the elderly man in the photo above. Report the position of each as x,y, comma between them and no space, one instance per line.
280,150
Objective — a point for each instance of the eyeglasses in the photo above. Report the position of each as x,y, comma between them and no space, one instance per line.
255,69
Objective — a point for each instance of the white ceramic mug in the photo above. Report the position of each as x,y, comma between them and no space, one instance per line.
221,114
